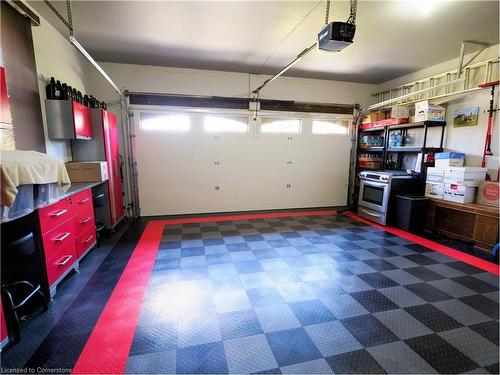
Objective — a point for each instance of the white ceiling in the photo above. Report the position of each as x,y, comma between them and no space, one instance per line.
393,38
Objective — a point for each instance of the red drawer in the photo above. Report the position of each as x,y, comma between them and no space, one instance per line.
54,215
82,202
58,239
85,240
59,263
83,222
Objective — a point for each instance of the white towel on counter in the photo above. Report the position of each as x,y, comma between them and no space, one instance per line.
29,167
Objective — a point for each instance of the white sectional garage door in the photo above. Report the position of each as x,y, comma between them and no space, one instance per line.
195,162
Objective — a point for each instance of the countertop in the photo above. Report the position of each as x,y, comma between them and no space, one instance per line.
77,187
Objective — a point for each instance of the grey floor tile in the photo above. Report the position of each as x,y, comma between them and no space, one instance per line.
452,288
402,324
398,358
332,338
276,318
152,363
317,366
249,354
402,296
198,329
461,312
344,306
232,301
472,344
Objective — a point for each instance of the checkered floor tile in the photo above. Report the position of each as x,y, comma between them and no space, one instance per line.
314,294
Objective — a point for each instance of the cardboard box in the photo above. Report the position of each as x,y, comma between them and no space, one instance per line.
87,171
459,193
400,111
434,190
449,159
489,193
428,112
466,176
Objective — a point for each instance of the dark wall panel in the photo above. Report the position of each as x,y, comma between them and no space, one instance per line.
18,57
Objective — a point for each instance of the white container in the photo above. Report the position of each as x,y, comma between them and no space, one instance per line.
428,112
459,193
466,176
434,190
435,175
45,194
23,204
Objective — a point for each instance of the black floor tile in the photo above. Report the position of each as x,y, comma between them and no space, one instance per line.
441,355
489,330
357,362
377,280
428,292
374,301
482,304
368,330
433,318
424,273
474,284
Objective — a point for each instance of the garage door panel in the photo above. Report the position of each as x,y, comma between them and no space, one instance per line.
198,172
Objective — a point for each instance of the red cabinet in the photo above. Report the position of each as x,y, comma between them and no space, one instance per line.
5,116
68,232
67,119
104,146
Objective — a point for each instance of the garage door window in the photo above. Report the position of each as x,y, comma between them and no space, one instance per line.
275,125
225,124
166,122
329,127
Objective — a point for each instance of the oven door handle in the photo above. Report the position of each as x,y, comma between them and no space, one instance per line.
373,183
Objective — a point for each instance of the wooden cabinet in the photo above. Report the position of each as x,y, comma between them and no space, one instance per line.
468,222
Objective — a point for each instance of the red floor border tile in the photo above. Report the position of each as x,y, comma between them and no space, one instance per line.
453,253
107,349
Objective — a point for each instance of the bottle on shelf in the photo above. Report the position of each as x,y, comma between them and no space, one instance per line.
104,106
70,93
75,95
86,102
64,91
50,89
58,90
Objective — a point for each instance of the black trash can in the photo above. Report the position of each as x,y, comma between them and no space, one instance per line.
411,212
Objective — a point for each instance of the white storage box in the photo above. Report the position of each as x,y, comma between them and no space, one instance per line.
449,159
23,204
428,112
435,175
400,111
434,190
466,176
45,194
459,193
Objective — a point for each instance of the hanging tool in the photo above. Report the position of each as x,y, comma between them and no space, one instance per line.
489,130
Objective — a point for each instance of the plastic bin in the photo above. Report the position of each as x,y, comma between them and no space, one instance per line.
411,212
45,194
23,204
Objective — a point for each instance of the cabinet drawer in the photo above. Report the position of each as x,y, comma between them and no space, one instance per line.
83,222
85,240
59,263
54,215
58,239
82,202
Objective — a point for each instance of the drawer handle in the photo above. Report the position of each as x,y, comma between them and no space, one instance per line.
88,239
63,237
84,200
85,221
58,213
62,262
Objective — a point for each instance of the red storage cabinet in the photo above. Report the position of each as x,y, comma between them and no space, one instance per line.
5,115
67,229
104,146
67,119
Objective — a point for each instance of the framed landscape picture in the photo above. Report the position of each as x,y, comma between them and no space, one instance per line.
465,117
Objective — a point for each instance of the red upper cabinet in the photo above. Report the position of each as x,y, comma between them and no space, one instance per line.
67,119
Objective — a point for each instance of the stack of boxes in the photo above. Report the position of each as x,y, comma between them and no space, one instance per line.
451,181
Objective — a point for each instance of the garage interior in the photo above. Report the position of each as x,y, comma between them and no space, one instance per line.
283,187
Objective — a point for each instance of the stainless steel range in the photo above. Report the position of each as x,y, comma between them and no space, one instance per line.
377,192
